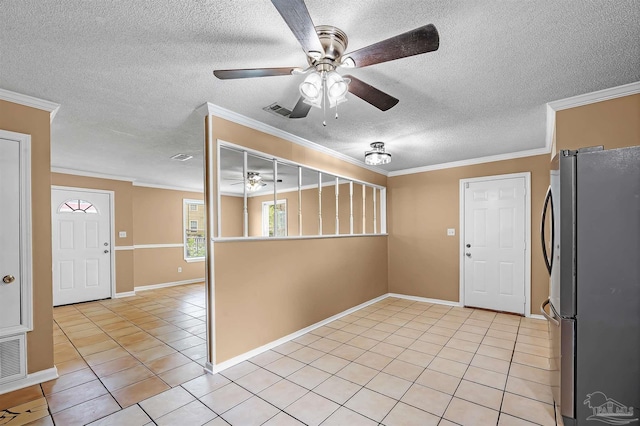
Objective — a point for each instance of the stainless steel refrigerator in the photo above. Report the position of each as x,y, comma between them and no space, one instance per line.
592,211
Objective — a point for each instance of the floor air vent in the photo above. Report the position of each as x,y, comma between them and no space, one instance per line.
12,365
276,109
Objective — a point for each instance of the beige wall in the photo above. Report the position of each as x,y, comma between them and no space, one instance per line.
614,124
232,211
157,219
34,122
244,136
123,211
160,265
289,285
423,260
149,216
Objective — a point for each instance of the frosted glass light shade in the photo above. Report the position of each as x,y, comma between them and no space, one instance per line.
311,87
336,85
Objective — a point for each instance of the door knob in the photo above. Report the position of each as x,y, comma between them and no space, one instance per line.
106,251
468,245
468,254
8,279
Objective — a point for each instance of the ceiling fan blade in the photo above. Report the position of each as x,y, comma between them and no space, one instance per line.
375,97
421,40
253,72
296,15
300,110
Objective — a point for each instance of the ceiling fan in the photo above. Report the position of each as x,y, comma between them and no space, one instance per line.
324,46
254,181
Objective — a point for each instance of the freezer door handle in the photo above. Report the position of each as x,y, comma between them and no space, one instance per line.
551,317
548,260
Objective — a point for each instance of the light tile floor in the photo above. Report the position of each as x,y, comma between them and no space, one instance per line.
138,361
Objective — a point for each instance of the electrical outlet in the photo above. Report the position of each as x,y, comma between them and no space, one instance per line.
122,234
179,268
451,232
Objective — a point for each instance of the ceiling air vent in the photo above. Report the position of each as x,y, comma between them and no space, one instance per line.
276,109
182,157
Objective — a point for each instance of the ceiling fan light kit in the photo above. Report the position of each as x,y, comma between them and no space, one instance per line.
324,46
324,86
377,156
254,182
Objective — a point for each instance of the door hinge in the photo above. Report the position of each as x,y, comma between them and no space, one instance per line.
466,185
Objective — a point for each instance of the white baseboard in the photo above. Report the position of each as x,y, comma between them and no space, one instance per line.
31,379
424,299
125,294
216,368
536,316
170,284
257,351
448,303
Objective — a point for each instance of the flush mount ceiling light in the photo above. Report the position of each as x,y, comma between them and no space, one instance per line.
377,156
254,182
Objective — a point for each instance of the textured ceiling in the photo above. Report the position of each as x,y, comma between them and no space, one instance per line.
130,74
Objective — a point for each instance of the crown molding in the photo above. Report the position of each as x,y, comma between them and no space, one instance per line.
30,101
472,161
171,188
133,181
582,100
552,107
212,109
84,173
594,97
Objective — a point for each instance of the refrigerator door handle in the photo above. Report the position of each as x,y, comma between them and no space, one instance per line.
548,260
551,317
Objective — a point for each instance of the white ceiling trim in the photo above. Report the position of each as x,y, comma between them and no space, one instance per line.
471,161
212,109
90,174
133,181
552,107
30,101
585,99
598,96
172,188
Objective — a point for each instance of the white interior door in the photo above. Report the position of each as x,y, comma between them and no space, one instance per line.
495,244
10,271
81,235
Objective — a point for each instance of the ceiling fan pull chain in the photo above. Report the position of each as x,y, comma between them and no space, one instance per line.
324,98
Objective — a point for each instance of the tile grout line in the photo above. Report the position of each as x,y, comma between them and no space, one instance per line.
117,314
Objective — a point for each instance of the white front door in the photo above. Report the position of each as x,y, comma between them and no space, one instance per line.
81,235
494,244
10,271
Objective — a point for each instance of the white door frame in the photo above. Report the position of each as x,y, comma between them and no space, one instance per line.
26,254
112,217
527,225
